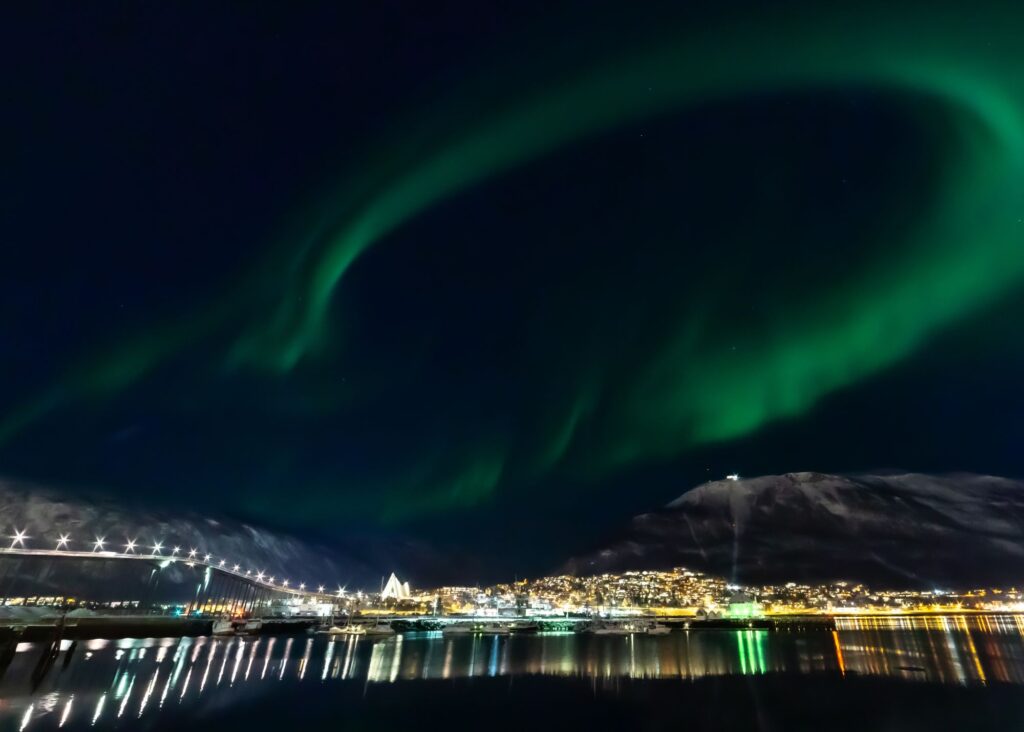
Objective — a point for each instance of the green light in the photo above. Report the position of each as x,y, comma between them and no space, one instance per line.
760,637
966,251
742,610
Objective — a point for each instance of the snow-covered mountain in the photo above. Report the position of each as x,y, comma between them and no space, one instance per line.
45,513
909,529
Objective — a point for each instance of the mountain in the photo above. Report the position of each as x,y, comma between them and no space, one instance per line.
899,530
45,513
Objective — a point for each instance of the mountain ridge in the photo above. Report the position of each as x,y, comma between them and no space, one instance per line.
892,528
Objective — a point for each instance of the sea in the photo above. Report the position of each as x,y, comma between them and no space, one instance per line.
906,673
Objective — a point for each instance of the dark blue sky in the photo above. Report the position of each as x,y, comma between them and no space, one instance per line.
161,161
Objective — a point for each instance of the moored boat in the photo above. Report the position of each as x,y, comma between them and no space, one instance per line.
223,627
359,630
523,626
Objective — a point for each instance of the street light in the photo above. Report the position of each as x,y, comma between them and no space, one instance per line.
63,543
235,568
97,545
207,557
175,550
19,538
259,576
130,546
157,546
320,589
285,583
221,563
191,553
302,585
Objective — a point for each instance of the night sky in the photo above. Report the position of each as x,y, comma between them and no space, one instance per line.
499,276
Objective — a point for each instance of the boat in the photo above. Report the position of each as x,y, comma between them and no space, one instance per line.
607,628
458,629
493,629
223,627
657,629
476,629
280,626
523,626
378,630
623,627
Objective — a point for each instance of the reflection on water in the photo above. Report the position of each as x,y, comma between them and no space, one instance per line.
108,683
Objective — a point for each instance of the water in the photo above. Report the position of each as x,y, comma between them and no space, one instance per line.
908,674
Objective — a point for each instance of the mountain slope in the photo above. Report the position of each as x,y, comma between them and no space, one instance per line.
909,530
45,513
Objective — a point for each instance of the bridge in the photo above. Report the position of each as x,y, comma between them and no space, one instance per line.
223,586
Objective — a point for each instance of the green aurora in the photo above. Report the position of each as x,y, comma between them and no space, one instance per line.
962,255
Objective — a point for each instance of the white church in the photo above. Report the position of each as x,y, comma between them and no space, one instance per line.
395,590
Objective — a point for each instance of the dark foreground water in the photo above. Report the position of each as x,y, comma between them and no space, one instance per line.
943,673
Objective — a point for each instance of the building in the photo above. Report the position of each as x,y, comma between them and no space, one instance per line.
395,590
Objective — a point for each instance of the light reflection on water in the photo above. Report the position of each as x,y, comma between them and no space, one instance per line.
105,682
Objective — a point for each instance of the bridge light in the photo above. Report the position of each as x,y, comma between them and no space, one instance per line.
271,580
259,576
175,550
18,539
222,563
207,557
341,591
63,543
97,545
191,553
285,583
320,589
302,585
248,572
235,568
157,546
130,546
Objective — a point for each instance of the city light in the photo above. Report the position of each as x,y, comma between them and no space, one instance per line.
679,592
19,538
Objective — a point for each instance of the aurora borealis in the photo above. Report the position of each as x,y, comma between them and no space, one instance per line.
490,270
